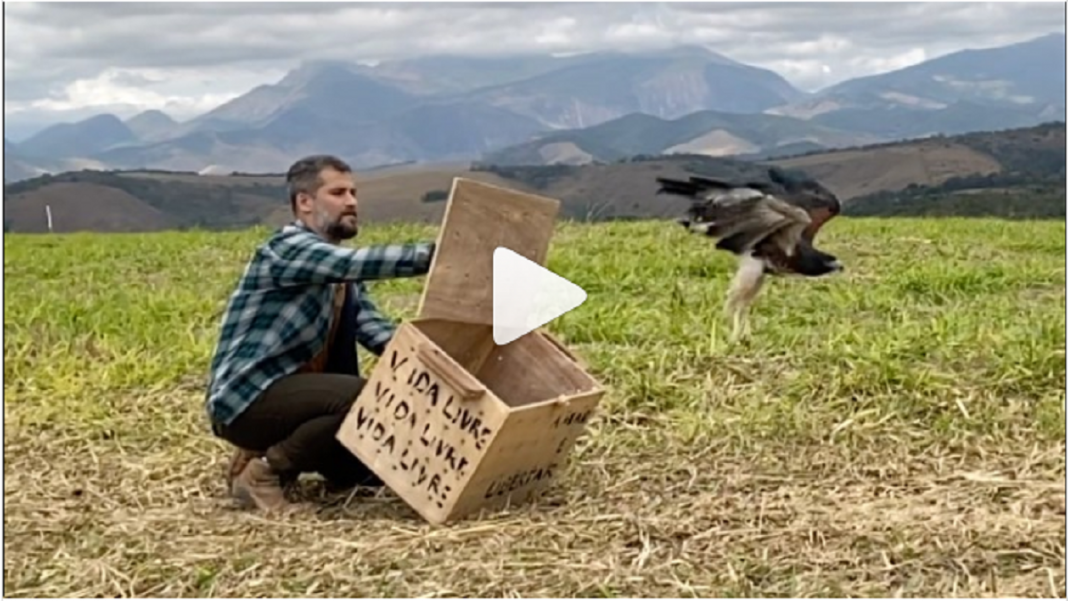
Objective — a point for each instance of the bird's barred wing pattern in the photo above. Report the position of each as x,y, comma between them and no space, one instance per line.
743,218
740,217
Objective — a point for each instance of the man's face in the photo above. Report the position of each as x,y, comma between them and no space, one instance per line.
332,210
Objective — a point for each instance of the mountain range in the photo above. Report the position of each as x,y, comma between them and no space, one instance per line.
539,110
1015,173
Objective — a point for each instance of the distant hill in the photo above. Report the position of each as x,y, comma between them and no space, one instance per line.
897,122
15,165
668,84
1010,173
152,201
18,166
966,197
709,133
426,133
1037,152
445,75
1028,182
151,125
82,139
540,110
971,90
105,202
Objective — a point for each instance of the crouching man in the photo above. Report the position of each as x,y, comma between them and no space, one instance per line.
285,371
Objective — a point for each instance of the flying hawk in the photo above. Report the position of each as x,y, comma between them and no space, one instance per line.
769,226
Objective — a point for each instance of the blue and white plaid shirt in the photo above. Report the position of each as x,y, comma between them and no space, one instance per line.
279,316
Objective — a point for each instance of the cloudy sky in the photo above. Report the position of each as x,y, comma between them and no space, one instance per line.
70,61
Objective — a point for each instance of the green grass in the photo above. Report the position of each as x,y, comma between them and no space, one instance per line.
898,429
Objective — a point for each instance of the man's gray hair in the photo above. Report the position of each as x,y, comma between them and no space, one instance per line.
304,175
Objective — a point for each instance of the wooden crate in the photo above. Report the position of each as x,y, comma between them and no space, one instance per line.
449,420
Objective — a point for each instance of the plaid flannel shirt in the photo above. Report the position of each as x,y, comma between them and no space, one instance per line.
278,317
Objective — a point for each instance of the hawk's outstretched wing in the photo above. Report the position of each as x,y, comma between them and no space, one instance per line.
740,216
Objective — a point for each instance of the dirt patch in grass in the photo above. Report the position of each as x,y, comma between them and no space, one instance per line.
92,516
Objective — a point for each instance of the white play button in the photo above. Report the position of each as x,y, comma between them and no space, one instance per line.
527,296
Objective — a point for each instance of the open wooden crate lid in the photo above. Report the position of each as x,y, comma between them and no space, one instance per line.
479,217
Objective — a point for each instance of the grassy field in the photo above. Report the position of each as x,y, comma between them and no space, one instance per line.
898,430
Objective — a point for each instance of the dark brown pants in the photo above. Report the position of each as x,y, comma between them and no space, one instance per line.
294,425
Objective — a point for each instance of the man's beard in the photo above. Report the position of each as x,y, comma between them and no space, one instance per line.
338,229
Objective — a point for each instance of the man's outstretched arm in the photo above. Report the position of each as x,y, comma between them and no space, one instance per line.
303,258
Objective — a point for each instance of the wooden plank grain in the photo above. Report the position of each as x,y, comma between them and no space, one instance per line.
479,217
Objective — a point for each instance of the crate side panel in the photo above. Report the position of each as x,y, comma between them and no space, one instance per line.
529,453
412,428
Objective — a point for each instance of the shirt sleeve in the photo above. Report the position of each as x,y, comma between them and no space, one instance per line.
373,329
303,258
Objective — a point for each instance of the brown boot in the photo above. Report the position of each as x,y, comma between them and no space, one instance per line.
258,486
238,461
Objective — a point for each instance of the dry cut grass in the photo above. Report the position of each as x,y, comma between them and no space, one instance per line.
895,431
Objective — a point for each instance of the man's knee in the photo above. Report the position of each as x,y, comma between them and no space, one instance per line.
290,403
346,390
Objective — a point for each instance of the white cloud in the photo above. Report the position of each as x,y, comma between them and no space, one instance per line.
556,33
131,88
882,64
75,59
